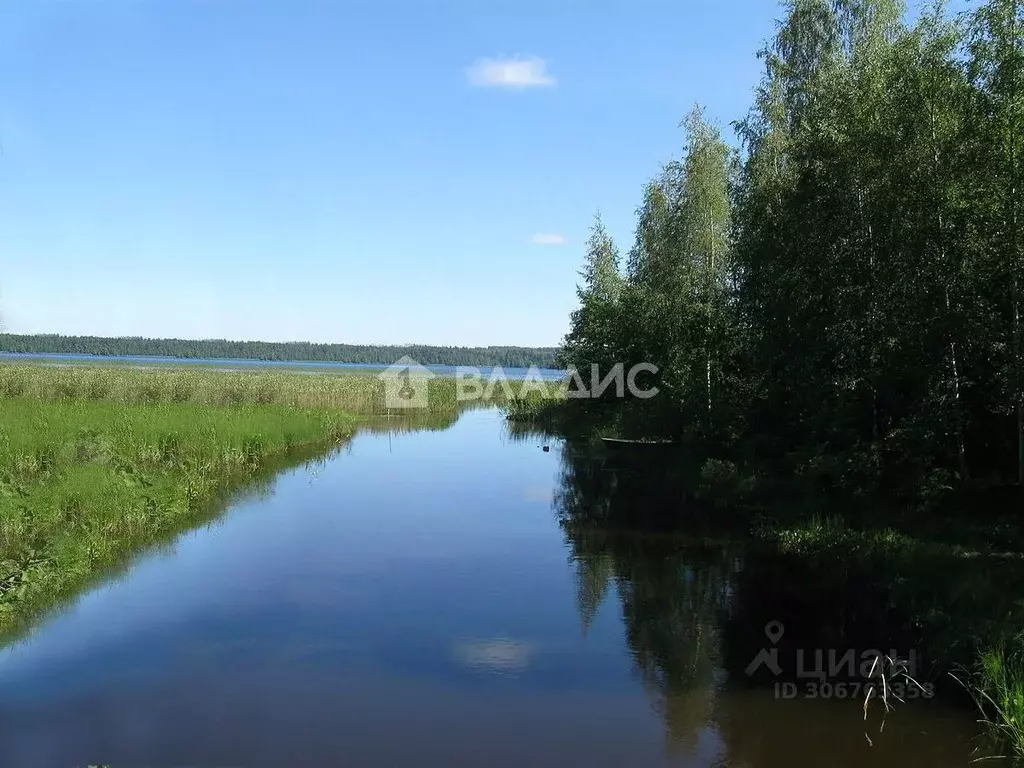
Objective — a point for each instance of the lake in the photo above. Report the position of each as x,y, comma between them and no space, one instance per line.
230,364
432,598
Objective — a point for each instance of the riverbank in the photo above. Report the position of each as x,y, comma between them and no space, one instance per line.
85,484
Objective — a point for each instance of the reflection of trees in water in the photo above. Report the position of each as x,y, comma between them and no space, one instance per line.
694,613
672,590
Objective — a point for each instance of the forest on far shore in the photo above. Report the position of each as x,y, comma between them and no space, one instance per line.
297,351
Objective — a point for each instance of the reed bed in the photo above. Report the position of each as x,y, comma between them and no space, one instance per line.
997,684
357,393
532,407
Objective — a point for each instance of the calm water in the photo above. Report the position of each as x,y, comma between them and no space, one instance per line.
425,599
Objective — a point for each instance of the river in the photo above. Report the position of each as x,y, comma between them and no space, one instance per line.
425,598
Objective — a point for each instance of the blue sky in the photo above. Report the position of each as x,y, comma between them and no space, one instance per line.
369,171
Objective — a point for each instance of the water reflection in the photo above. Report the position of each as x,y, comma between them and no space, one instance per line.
499,655
694,601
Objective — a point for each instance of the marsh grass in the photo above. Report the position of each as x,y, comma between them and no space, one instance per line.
358,393
83,484
532,406
997,685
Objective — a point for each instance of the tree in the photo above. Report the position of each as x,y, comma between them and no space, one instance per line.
997,70
705,221
589,340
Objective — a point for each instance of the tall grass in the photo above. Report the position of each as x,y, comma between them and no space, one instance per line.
532,405
998,689
357,393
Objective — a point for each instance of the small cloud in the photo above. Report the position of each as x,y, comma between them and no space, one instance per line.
550,238
516,72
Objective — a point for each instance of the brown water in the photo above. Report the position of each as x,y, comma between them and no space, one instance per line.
432,598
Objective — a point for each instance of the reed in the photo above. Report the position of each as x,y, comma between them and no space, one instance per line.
532,406
357,393
997,685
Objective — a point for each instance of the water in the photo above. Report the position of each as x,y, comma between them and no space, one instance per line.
414,600
229,364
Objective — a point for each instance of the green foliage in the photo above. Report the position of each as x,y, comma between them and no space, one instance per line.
530,406
721,482
672,309
844,299
997,683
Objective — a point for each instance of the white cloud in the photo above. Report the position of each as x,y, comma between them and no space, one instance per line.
515,72
548,238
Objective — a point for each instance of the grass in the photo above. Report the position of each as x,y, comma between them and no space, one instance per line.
531,406
998,688
358,393
83,484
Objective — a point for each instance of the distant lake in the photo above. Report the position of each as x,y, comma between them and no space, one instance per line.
550,374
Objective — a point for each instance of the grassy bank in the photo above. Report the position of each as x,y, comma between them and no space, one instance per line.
83,484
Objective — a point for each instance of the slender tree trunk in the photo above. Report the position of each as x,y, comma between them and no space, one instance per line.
710,293
961,451
1016,375
869,374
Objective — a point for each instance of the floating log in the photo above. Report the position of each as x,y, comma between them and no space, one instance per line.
620,443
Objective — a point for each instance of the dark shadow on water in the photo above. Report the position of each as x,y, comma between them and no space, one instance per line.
697,587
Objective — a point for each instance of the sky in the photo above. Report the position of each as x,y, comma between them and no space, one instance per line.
360,171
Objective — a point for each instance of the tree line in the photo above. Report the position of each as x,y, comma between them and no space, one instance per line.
298,351
841,291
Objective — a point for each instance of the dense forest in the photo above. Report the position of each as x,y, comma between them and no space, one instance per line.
506,357
839,293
